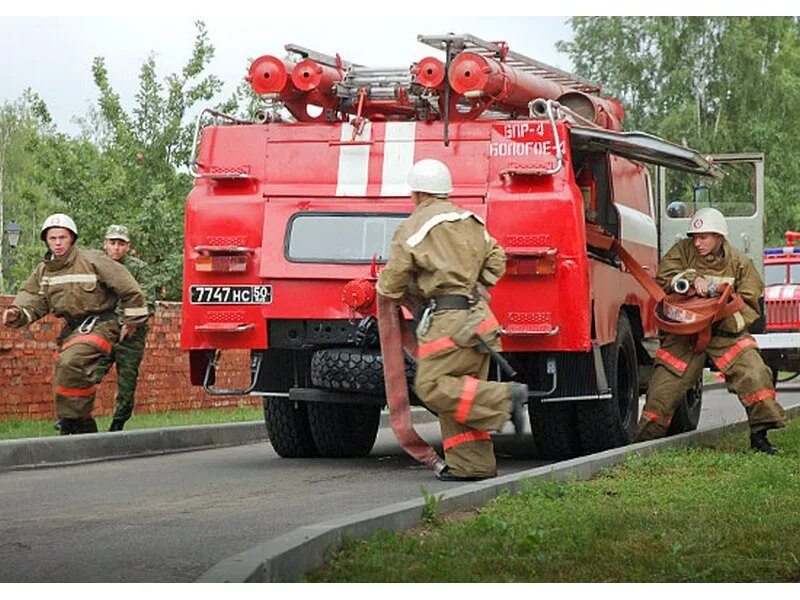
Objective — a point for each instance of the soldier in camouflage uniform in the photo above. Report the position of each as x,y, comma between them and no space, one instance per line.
445,252
84,287
128,353
706,261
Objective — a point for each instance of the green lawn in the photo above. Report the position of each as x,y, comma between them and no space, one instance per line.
20,428
721,514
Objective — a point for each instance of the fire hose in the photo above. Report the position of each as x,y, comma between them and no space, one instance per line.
394,336
678,313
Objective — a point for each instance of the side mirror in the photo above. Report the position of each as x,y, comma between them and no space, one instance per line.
702,196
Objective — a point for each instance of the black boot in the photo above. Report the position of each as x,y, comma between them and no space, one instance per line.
519,398
447,475
759,441
69,426
88,425
116,425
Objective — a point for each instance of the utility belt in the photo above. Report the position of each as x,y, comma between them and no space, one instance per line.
424,312
85,323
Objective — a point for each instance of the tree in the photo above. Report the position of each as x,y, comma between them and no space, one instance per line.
718,84
23,197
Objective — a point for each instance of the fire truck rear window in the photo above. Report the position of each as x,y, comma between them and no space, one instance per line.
341,238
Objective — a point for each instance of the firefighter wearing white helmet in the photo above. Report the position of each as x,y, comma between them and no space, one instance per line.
59,220
82,287
707,261
444,253
708,220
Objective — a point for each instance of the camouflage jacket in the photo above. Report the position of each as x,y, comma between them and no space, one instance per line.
141,273
80,283
683,261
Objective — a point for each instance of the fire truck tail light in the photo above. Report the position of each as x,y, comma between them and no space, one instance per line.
538,261
211,259
221,264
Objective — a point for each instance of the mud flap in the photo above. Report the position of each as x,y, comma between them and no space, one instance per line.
394,335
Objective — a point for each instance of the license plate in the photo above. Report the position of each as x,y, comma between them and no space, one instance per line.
231,294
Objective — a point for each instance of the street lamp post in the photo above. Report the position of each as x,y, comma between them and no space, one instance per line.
12,233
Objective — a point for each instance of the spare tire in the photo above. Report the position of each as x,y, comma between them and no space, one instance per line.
352,370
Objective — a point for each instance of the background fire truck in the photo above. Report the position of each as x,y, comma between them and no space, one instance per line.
291,215
780,345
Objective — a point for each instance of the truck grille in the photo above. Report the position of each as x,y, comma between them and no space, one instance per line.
783,314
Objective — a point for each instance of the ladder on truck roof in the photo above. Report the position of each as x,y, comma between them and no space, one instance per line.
382,83
499,51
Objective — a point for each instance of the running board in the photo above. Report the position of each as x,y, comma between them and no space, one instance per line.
299,394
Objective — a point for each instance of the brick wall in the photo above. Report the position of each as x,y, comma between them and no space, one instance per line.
26,371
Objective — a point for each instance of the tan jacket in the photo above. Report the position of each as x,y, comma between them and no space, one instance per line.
443,249
733,267
80,283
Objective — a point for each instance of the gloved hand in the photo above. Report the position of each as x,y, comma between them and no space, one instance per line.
128,330
10,315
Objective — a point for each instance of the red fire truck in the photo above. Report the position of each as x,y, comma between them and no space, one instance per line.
291,215
780,345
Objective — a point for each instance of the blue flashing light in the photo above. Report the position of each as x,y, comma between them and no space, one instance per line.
781,251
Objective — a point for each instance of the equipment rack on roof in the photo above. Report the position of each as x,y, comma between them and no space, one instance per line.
469,43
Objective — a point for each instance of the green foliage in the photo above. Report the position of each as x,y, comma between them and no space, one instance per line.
431,509
29,428
721,514
24,196
126,167
717,84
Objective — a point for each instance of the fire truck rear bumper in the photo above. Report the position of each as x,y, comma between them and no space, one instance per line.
774,341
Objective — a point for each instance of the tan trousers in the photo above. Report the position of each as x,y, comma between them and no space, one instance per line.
451,381
677,368
81,362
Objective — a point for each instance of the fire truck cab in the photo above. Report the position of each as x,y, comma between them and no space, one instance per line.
290,219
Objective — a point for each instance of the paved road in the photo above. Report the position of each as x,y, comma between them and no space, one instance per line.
169,518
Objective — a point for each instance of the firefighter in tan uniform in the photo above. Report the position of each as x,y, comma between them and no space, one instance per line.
706,261
83,287
444,252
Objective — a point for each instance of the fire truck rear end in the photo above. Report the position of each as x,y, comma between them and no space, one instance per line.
290,219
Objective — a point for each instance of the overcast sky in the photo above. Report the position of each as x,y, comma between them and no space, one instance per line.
53,55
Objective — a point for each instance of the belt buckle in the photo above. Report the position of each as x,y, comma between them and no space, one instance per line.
88,324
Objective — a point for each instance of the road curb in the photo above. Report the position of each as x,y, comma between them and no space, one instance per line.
290,556
59,451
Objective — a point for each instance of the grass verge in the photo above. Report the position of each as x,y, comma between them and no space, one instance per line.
708,514
26,428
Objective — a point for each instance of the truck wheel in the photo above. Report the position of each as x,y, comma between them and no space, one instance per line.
343,430
288,429
604,424
554,428
352,369
687,415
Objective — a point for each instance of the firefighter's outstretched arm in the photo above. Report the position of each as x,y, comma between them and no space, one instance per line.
29,305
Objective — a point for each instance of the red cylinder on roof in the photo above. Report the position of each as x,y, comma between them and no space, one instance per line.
309,75
270,75
471,73
606,112
429,72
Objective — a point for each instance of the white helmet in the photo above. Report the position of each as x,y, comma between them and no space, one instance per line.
430,176
59,220
708,220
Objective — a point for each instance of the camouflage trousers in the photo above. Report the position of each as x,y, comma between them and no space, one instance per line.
80,367
678,367
452,383
128,355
